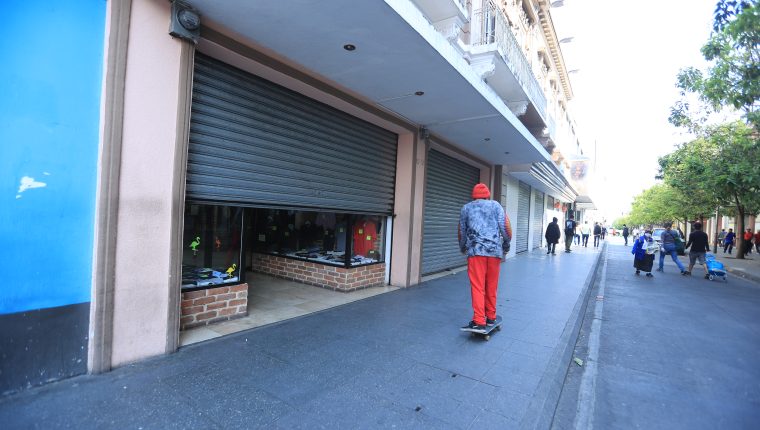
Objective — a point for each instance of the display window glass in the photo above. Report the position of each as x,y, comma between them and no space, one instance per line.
332,238
211,247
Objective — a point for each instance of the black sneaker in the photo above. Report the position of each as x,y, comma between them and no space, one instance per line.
707,276
649,275
638,273
685,273
490,322
474,326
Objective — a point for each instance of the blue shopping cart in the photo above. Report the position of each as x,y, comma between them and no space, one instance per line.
715,268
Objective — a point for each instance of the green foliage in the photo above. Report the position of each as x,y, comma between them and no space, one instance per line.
662,203
721,168
619,222
733,79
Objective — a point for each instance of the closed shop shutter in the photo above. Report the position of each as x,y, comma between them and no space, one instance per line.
523,218
538,220
255,143
448,187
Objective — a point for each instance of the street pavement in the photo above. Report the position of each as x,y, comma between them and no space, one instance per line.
748,268
669,352
393,360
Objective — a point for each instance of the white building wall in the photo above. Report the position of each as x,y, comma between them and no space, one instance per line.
512,188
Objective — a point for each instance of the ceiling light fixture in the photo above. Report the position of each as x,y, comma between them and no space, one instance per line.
419,93
506,153
349,47
487,139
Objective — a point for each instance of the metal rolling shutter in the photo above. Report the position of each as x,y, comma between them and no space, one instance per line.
448,187
523,218
538,220
253,142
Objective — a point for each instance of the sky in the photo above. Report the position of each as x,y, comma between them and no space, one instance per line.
628,54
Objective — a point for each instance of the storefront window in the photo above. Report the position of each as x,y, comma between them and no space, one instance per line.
211,245
322,237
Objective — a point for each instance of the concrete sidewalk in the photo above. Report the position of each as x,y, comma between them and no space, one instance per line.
397,359
748,268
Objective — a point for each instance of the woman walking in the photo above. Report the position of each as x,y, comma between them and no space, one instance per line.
643,254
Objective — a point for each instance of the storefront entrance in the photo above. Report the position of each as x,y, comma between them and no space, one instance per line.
280,185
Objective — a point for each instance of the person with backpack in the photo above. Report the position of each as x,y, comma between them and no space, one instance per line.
597,234
668,247
625,234
570,225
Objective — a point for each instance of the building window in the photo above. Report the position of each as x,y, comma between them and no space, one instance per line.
332,238
211,245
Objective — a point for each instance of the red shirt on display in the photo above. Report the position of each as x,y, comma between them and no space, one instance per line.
365,235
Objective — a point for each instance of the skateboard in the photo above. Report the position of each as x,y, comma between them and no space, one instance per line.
486,333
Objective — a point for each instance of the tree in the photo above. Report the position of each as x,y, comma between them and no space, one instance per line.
733,79
721,168
662,203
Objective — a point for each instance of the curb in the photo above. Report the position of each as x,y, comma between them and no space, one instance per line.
744,275
540,411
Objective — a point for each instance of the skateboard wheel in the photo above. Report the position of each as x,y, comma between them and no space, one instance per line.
712,278
487,337
498,328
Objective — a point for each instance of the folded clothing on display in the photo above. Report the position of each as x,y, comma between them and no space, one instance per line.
203,276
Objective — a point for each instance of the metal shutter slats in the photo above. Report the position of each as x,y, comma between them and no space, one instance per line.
538,220
255,143
523,218
448,187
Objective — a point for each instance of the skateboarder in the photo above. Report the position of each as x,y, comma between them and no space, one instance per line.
484,235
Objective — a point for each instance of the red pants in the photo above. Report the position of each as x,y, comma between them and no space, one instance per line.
484,281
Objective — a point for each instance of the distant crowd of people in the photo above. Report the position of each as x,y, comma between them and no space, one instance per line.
574,233
727,241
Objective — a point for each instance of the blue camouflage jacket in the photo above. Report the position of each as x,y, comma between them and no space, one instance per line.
484,229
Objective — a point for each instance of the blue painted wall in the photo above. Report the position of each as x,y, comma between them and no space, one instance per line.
50,84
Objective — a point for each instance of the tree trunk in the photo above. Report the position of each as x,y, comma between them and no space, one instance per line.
739,230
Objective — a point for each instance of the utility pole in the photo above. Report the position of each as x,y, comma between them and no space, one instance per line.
715,230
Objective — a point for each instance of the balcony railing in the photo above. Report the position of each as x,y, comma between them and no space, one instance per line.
494,28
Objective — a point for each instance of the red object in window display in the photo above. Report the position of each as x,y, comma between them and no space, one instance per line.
365,235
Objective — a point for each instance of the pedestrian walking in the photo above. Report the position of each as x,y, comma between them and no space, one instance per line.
729,241
597,234
668,247
484,236
570,225
585,232
643,252
700,244
552,236
721,237
625,234
604,232
748,242
757,241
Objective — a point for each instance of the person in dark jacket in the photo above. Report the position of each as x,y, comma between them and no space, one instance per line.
699,243
552,236
625,234
484,234
597,234
570,226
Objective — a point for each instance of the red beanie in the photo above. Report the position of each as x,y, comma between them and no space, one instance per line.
481,191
